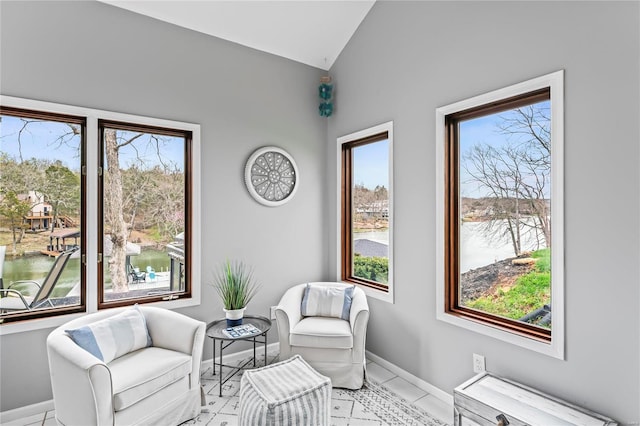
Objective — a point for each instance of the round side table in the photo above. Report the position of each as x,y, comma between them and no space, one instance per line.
215,331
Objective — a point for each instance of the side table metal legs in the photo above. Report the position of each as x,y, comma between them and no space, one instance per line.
231,375
235,369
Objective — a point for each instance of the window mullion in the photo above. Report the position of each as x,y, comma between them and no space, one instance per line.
93,251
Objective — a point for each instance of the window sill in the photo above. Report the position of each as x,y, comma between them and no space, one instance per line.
554,349
385,296
56,321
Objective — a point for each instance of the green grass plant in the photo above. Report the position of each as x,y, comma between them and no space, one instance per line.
235,285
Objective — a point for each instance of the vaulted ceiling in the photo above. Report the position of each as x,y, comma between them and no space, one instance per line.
311,32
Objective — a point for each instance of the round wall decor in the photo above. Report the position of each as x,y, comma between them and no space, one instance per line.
271,176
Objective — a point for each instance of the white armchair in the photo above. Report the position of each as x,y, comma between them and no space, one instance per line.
159,384
334,347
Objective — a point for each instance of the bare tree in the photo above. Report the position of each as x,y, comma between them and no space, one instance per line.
362,199
114,214
516,176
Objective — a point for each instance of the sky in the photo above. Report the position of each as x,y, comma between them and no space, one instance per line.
38,140
371,164
481,130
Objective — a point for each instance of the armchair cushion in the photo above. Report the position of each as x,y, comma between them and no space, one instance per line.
327,301
142,373
322,332
112,337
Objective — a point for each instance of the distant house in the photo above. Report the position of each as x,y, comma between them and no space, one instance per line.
41,213
369,248
379,209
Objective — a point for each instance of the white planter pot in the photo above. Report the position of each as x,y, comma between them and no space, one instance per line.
234,316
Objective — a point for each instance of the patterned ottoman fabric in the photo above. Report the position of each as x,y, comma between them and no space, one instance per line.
287,393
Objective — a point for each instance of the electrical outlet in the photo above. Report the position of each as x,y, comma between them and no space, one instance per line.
478,364
273,312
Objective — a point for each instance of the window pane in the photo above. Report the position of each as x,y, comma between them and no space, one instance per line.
370,211
504,207
144,213
40,211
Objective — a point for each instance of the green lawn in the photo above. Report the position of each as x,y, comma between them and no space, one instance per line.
531,291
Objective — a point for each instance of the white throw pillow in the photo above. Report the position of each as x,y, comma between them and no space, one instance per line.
327,301
113,337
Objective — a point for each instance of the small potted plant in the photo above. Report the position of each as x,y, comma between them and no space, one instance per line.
236,287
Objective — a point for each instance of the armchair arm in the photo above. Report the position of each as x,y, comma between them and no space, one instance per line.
359,318
178,332
78,379
288,315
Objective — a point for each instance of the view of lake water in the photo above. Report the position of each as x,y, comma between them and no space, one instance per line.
36,268
475,250
379,236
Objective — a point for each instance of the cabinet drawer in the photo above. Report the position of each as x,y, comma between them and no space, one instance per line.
485,399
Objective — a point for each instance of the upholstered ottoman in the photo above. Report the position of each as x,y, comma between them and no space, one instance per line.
286,393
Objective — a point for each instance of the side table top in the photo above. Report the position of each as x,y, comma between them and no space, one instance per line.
214,329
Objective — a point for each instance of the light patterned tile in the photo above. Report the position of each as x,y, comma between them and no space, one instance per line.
365,422
339,421
437,407
338,393
341,408
404,389
362,412
231,407
378,374
223,420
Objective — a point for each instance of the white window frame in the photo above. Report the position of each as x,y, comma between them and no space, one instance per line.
92,115
555,81
387,296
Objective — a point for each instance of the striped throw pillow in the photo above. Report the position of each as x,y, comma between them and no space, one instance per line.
327,301
113,337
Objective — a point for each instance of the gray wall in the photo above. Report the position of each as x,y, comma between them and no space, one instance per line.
95,55
405,60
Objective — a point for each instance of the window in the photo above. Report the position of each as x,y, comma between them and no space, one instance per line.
42,214
365,210
134,179
501,212
144,186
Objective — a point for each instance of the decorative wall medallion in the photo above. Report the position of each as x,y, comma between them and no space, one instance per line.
271,176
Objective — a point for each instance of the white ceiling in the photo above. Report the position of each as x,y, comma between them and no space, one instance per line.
311,32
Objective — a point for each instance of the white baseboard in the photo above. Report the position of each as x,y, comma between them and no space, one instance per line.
26,411
427,387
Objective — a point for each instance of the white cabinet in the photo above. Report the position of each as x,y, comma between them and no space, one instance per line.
488,400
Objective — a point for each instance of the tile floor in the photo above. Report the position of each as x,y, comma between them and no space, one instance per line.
401,387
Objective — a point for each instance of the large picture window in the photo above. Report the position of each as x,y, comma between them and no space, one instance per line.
42,230
501,212
366,214
97,210
144,187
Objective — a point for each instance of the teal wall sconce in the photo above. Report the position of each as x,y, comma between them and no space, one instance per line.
325,91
